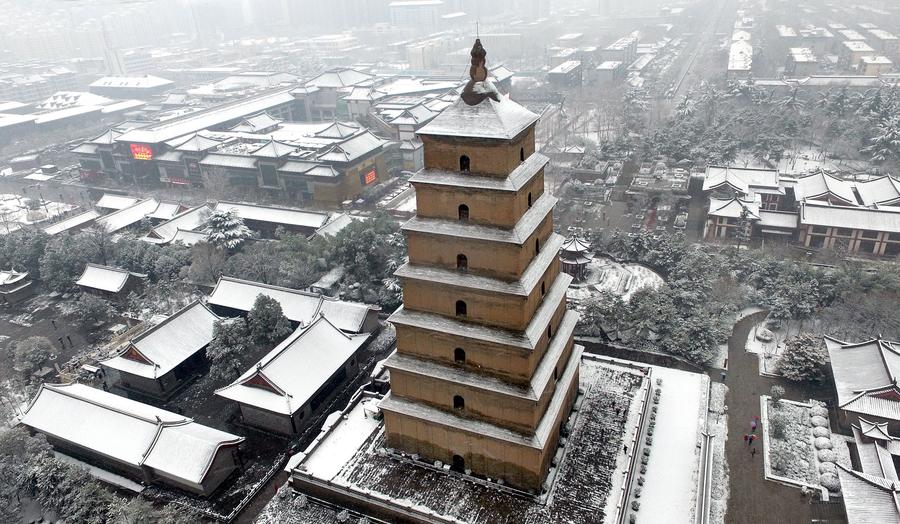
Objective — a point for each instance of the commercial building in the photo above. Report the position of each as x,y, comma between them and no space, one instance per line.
801,62
485,368
566,75
246,144
139,87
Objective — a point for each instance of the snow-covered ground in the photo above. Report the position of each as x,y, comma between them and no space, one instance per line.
14,212
807,160
622,279
769,350
673,468
328,457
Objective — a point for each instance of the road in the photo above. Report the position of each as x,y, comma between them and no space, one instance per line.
703,43
752,498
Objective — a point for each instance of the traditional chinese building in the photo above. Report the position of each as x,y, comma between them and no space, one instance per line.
485,370
574,257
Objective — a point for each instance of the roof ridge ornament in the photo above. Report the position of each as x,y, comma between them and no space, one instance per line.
475,91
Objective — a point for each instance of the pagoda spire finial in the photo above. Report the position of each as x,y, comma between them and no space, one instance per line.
473,94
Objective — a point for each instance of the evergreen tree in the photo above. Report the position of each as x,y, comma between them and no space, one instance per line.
804,359
227,229
266,320
227,351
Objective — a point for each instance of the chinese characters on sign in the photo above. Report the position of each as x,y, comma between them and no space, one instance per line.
141,152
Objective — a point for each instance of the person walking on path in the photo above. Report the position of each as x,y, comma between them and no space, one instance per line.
753,426
724,375
750,440
753,452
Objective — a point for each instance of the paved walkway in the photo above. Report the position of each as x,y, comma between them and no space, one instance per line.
753,499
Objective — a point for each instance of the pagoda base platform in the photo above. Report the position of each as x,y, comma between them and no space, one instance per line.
590,481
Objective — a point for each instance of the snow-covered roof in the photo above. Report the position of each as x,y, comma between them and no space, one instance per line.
733,208
740,56
865,376
166,211
500,119
237,161
815,213
126,217
778,219
127,431
256,123
868,498
275,215
879,191
189,238
132,82
197,121
195,143
740,178
9,277
336,224
298,306
163,347
286,379
189,220
336,78
104,278
824,185
274,149
116,202
72,222
575,245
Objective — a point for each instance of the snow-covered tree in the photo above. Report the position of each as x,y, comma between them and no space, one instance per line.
266,320
228,349
804,359
90,309
31,353
885,145
227,229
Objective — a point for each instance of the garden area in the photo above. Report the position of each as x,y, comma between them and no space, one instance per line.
691,314
799,448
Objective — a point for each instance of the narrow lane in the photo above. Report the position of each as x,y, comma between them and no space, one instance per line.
753,499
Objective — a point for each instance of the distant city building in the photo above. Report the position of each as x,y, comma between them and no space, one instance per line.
801,62
566,75
140,87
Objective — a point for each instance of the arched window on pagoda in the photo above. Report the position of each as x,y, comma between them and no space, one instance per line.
461,309
464,164
462,262
463,213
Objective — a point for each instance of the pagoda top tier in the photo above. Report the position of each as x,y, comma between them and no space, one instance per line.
481,111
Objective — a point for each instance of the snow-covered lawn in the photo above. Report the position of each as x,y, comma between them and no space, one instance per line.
799,446
607,275
671,480
14,212
769,344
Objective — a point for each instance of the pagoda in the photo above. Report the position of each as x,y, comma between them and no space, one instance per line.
485,371
574,257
